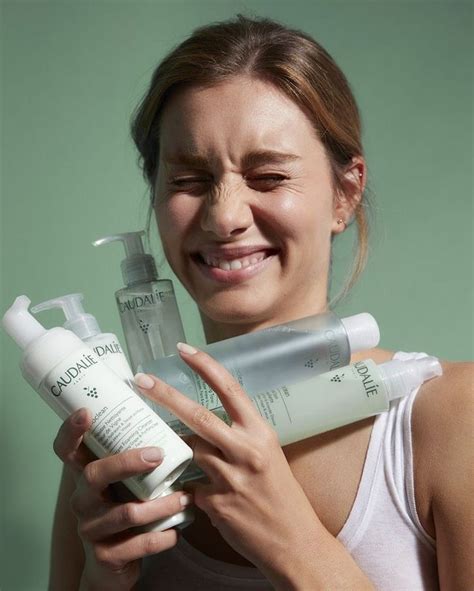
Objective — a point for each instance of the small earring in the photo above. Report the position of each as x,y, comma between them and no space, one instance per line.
341,221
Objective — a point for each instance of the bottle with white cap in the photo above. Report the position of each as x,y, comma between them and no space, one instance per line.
331,400
147,305
85,326
269,358
109,351
68,375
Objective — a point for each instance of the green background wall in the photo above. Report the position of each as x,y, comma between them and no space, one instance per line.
71,75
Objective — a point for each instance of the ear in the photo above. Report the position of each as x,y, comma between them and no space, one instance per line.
349,195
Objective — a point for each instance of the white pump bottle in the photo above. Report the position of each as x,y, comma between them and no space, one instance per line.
86,327
68,375
108,349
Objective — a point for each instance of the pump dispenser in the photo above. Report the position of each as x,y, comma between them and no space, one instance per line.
68,375
86,327
269,358
147,305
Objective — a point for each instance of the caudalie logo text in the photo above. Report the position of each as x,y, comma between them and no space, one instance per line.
150,299
108,349
369,385
71,373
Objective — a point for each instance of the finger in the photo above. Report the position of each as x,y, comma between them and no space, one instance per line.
98,475
116,556
123,516
68,445
209,458
236,402
195,416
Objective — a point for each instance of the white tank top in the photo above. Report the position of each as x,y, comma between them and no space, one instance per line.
383,532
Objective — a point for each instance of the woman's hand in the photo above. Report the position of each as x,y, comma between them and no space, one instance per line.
113,548
252,498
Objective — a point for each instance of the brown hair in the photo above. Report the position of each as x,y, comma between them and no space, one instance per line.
289,59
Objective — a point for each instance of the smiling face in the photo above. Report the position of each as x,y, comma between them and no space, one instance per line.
244,203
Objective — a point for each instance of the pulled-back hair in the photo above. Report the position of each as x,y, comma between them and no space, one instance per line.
287,58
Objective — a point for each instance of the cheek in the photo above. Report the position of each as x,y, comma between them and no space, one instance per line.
174,220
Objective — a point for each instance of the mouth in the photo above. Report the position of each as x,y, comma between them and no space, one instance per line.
235,265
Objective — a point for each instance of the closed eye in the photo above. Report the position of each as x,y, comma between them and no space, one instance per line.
266,182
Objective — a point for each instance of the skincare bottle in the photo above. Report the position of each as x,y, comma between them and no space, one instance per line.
147,305
269,358
336,398
85,326
69,375
108,350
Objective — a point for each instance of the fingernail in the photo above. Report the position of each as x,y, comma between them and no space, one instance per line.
80,417
186,500
186,349
144,381
153,454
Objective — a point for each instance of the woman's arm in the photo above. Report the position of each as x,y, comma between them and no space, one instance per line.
67,554
252,497
96,546
443,434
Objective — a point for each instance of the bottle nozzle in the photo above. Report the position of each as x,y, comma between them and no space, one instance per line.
132,242
138,266
82,324
20,324
404,376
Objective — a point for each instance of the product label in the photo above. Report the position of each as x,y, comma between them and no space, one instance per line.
206,395
368,379
111,348
126,425
145,300
121,420
334,350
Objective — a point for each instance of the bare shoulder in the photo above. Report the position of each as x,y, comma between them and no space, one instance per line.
442,428
443,410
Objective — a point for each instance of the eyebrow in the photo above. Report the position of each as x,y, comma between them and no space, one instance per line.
254,158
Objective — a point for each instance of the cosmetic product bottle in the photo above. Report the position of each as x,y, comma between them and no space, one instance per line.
85,326
147,305
272,357
108,350
336,398
69,375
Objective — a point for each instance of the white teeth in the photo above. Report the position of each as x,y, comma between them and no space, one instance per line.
236,264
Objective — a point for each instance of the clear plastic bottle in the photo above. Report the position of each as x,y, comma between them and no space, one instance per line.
331,400
68,375
265,359
147,305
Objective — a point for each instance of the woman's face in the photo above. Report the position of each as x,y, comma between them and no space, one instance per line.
245,203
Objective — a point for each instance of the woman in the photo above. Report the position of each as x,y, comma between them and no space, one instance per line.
250,141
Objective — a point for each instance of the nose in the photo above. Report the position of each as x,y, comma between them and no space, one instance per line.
226,212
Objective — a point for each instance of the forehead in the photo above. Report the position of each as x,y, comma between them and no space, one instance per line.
239,114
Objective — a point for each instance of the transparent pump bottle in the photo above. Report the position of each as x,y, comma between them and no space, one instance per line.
147,305
269,358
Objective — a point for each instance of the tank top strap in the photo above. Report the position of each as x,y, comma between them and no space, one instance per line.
388,465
